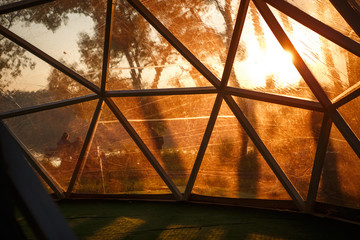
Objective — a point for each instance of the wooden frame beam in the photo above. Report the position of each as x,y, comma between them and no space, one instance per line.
275,98
161,92
318,162
47,106
16,6
204,143
107,44
235,40
351,16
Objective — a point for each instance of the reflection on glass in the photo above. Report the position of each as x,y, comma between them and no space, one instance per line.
141,58
64,30
262,64
335,68
204,27
286,132
54,137
172,127
340,177
232,165
116,165
27,84
325,12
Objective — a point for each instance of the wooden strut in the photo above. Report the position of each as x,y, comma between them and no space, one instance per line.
86,148
145,150
318,162
16,6
240,20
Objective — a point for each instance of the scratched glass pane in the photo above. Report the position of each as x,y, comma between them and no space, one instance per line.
142,59
26,81
204,27
340,177
116,165
325,12
71,32
54,137
233,167
172,127
286,132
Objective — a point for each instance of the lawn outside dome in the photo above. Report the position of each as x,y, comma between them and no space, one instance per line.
248,102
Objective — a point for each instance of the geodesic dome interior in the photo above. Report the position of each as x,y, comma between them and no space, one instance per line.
220,99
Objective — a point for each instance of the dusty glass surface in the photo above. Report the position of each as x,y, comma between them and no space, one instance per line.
290,134
232,165
72,32
172,127
43,135
335,68
115,164
340,177
325,12
262,64
29,82
204,27
142,59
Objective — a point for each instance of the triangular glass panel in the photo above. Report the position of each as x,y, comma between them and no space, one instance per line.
262,64
350,112
204,27
27,81
335,68
52,137
172,127
340,179
286,132
142,59
115,164
233,167
325,12
71,32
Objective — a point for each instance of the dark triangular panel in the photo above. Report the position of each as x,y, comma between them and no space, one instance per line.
115,164
42,133
71,32
335,68
340,179
232,165
262,64
290,134
172,127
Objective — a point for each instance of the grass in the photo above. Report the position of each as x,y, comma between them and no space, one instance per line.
92,219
